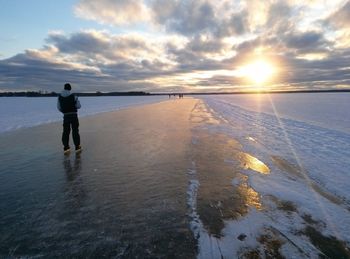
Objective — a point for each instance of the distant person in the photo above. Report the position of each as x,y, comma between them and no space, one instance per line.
68,104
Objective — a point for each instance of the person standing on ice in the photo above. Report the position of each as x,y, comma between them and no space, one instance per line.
68,104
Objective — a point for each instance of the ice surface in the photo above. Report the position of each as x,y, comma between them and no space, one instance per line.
131,178
19,112
124,196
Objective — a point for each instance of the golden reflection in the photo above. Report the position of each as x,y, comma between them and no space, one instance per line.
251,197
251,162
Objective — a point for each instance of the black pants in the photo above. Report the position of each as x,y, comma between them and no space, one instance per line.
69,121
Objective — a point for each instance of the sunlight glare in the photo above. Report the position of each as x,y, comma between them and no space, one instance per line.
259,71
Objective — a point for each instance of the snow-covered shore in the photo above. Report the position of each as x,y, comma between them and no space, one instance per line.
304,198
312,131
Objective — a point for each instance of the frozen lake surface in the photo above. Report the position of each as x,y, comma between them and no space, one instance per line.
20,112
124,196
222,176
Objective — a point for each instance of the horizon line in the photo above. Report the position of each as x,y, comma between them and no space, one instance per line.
143,93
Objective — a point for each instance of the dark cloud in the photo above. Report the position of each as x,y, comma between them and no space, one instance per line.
236,24
78,42
193,17
189,59
303,42
185,17
205,45
328,71
280,18
23,72
92,43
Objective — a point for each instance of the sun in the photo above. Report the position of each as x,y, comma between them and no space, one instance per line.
259,71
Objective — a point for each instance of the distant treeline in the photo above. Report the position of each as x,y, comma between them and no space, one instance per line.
53,94
140,93
260,92
278,92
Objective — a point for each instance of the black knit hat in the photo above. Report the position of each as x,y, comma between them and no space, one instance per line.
67,87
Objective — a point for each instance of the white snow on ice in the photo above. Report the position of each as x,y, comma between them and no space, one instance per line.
289,126
311,132
328,110
22,112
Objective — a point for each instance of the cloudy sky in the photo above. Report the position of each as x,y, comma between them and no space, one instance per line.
174,45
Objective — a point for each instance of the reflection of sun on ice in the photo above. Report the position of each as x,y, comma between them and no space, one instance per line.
259,72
